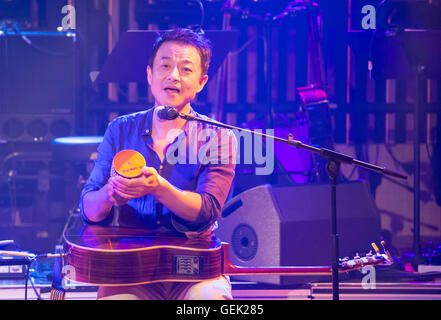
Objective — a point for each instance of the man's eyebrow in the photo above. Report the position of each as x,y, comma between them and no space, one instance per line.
186,61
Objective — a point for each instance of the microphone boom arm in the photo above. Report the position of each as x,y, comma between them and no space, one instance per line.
330,154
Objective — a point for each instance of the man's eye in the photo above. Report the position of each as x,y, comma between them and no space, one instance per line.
187,70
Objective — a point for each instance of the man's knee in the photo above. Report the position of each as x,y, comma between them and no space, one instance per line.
210,290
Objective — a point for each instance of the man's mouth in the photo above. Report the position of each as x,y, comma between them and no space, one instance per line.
172,90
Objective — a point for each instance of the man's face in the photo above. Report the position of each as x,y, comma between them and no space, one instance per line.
176,76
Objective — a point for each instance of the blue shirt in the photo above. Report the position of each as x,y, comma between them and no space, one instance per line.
201,159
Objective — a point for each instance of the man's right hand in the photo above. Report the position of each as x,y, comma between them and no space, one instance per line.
113,197
97,204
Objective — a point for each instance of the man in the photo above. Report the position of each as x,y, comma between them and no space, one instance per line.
185,195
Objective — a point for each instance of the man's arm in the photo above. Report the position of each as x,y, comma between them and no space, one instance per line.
97,204
185,204
198,208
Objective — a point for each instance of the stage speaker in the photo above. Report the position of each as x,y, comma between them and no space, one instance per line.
291,226
35,128
38,86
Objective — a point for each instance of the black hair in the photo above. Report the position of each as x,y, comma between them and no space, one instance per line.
189,37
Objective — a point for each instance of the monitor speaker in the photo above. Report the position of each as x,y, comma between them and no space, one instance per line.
38,86
291,226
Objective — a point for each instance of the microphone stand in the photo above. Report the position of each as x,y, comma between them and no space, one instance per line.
332,168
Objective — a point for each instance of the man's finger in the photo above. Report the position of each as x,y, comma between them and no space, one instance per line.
121,194
148,171
120,181
150,181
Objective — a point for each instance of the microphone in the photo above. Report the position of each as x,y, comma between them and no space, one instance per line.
167,113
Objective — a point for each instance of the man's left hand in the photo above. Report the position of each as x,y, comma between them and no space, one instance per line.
150,182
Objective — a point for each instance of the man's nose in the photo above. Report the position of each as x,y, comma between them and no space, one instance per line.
174,74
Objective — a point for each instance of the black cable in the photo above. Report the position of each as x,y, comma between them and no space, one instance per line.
201,6
12,190
28,278
31,260
38,48
35,290
198,28
6,67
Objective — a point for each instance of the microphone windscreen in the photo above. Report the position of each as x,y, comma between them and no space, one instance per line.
167,113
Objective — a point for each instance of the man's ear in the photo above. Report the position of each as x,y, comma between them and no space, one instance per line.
202,82
149,75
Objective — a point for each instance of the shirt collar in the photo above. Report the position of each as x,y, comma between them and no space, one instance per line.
147,129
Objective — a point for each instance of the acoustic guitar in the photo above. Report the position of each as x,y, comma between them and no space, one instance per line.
107,256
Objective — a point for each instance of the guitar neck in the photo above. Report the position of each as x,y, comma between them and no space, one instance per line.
234,270
345,265
230,269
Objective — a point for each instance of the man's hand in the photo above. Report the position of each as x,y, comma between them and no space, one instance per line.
184,204
97,204
114,197
150,182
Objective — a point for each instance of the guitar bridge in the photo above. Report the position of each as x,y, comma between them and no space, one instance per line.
187,265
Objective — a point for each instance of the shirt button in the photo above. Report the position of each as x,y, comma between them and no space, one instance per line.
147,131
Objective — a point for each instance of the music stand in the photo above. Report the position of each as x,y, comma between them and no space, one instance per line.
129,59
412,54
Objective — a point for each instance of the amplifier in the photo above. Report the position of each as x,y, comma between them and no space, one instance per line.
13,267
38,85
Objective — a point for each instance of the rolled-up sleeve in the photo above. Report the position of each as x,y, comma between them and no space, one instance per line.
213,183
101,170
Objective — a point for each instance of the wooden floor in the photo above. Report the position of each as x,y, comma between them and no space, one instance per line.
15,290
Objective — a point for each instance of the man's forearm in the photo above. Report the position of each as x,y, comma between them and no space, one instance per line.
185,204
97,205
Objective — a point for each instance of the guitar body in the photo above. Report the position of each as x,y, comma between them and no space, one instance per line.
124,256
